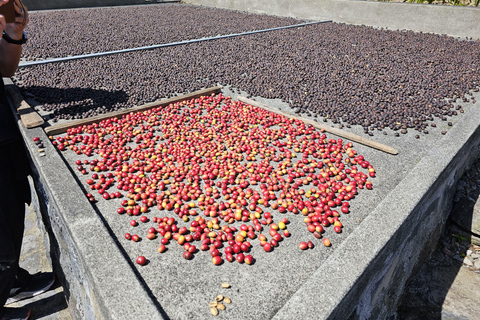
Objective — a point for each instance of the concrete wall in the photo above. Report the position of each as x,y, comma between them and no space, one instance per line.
453,21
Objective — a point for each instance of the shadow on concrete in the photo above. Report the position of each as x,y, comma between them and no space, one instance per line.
47,306
54,252
75,103
442,287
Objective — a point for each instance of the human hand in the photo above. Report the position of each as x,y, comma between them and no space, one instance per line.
15,29
3,22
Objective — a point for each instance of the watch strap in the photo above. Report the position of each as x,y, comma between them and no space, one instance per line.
7,38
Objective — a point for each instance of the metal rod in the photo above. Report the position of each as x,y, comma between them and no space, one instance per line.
99,54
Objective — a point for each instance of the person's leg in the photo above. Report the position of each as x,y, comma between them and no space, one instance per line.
11,233
22,277
15,194
8,261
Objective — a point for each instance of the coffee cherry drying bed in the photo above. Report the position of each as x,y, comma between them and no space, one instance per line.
388,82
211,189
181,280
193,157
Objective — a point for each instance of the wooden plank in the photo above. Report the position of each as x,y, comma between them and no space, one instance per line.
61,128
28,115
338,132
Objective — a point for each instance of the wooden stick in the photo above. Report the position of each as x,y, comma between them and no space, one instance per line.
28,115
61,128
338,132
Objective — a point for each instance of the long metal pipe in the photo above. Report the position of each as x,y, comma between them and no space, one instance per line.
99,54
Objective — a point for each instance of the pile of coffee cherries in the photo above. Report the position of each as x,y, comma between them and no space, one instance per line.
213,174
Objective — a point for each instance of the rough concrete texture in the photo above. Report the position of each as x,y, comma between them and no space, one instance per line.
463,296
453,21
391,230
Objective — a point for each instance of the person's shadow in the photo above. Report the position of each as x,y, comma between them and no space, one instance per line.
426,294
74,103
49,303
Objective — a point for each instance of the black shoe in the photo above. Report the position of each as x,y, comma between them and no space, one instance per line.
39,283
16,314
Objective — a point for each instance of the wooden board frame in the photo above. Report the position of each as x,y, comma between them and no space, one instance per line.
30,118
63,127
335,131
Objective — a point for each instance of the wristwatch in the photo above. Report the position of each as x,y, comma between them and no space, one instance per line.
7,38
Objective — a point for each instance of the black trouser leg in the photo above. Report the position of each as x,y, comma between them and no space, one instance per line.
12,222
11,232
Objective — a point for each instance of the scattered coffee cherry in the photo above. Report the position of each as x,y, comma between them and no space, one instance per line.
151,236
326,242
141,260
217,260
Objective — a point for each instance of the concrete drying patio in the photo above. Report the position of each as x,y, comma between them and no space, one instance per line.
390,231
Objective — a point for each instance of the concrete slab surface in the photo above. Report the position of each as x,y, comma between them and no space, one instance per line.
442,288
389,232
278,285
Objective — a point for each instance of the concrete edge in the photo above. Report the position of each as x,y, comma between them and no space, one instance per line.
381,255
76,230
